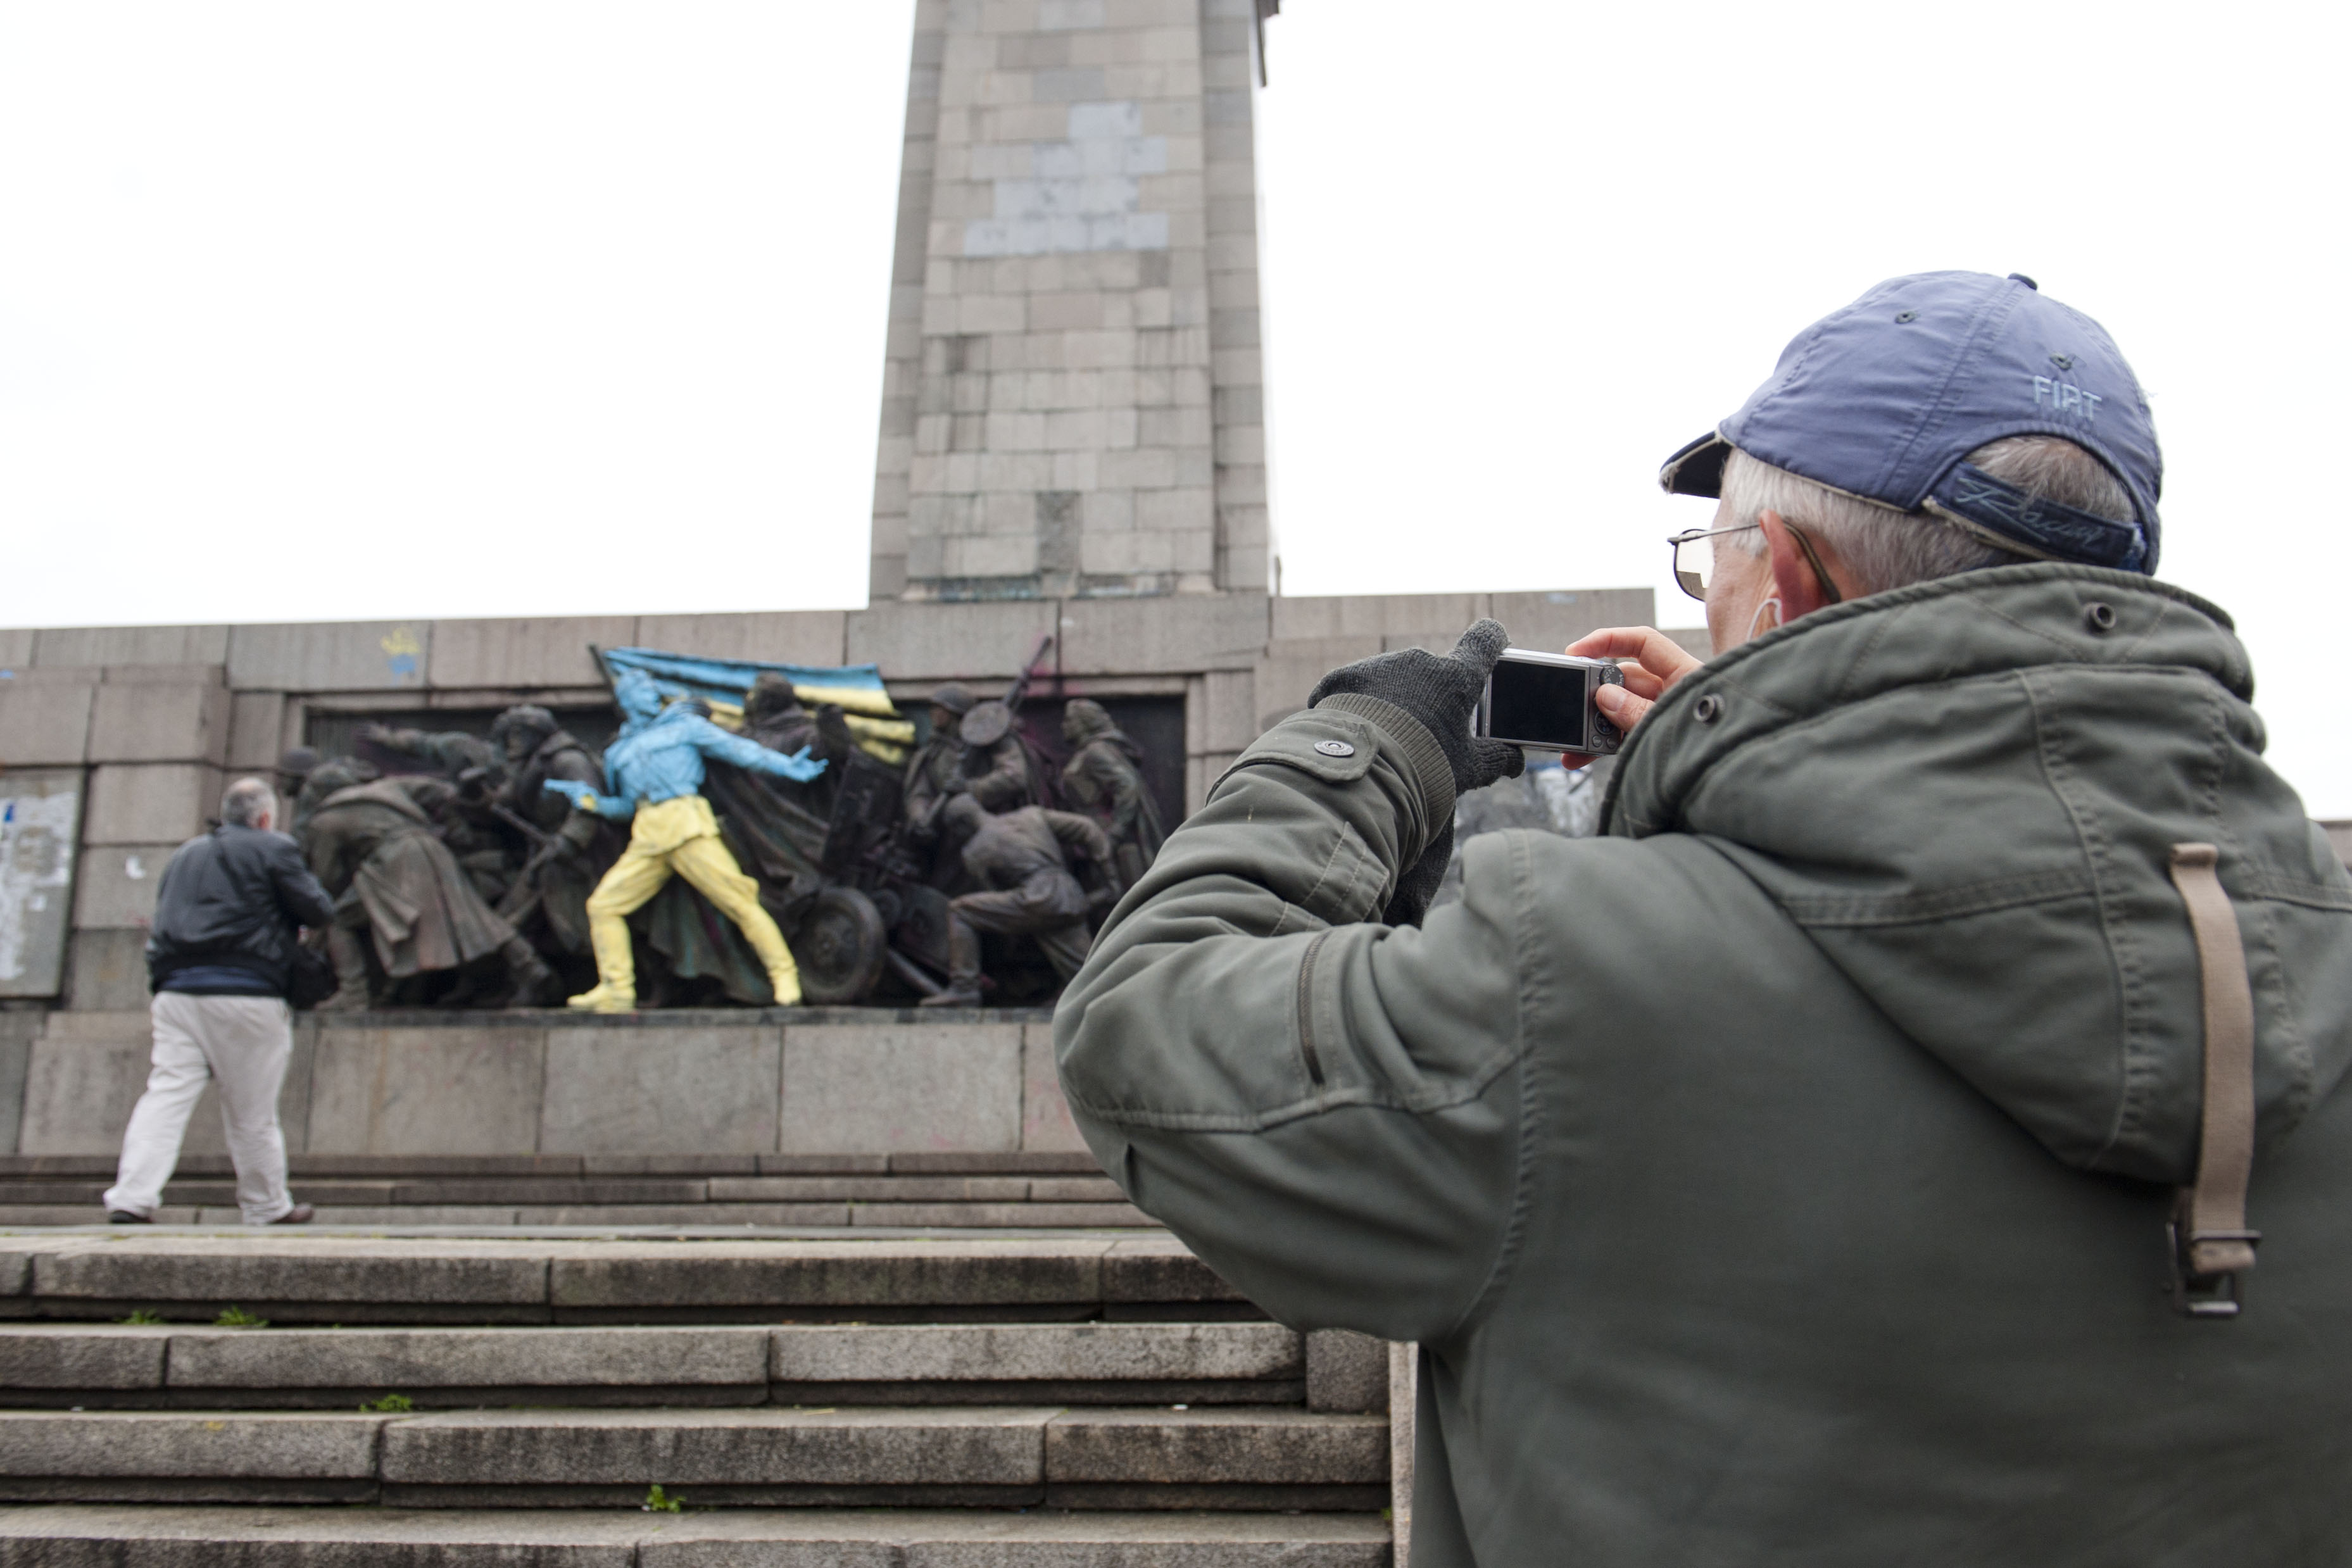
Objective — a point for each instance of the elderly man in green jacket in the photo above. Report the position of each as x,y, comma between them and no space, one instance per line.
1857,1155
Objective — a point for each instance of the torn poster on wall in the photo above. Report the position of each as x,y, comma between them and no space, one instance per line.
39,811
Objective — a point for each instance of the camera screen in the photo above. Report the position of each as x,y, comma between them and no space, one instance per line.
1540,705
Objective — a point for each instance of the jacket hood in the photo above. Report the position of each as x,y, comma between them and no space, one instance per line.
1967,791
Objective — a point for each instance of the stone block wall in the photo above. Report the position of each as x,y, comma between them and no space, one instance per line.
1071,402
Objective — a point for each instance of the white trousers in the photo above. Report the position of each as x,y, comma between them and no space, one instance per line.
240,1043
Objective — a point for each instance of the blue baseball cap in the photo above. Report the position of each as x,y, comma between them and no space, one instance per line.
1884,398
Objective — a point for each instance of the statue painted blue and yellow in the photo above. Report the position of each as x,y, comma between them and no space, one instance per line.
653,776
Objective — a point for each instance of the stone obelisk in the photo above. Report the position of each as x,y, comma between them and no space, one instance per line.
1072,406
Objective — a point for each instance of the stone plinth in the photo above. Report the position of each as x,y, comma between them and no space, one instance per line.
775,1082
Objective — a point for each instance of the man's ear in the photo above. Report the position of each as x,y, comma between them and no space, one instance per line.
1792,574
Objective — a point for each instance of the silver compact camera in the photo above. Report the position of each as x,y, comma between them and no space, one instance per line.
1545,701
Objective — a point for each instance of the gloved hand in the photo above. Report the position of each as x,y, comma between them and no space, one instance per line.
1443,693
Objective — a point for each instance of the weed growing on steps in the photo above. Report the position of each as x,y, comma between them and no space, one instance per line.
238,1318
141,1318
390,1405
660,1501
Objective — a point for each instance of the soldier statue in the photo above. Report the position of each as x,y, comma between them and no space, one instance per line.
467,817
1021,860
988,763
375,848
568,849
652,779
323,780
947,763
1102,776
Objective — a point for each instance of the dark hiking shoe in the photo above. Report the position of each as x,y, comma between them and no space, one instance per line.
124,1216
953,997
300,1214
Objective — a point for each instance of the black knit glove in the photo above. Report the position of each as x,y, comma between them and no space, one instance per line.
1443,695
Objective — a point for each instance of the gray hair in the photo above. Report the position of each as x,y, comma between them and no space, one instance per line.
1888,549
248,800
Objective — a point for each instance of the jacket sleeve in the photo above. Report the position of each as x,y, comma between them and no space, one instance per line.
299,896
1327,1110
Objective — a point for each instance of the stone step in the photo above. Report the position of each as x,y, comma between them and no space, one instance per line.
544,1191
1229,1459
156,1366
292,1277
423,1167
1020,1215
82,1536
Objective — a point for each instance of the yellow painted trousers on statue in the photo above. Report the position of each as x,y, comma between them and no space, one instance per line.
680,836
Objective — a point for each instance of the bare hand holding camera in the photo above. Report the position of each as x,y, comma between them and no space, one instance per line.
1658,663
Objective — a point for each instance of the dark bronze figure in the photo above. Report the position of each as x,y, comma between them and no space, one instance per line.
1102,778
1021,860
450,752
375,848
566,850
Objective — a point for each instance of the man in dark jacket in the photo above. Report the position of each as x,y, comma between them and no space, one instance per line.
1852,1155
219,952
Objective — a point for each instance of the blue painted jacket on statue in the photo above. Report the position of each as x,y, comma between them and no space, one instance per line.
665,760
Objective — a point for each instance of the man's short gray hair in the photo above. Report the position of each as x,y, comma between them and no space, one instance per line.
248,800
1888,549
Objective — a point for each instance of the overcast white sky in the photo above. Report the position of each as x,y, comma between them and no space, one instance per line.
523,309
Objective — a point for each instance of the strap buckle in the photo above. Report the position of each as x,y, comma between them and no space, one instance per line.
2196,1294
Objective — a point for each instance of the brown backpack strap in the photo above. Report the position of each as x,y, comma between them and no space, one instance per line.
2212,1245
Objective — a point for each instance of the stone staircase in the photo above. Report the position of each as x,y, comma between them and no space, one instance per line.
942,1402
1023,1190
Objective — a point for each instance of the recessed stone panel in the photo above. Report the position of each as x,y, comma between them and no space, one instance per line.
850,1089
661,1091
87,1070
79,1086
464,1091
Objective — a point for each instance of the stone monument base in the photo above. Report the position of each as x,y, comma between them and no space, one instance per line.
787,1117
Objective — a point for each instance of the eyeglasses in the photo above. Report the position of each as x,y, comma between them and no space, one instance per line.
1694,559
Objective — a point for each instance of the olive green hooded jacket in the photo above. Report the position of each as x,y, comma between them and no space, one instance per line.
1783,1177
